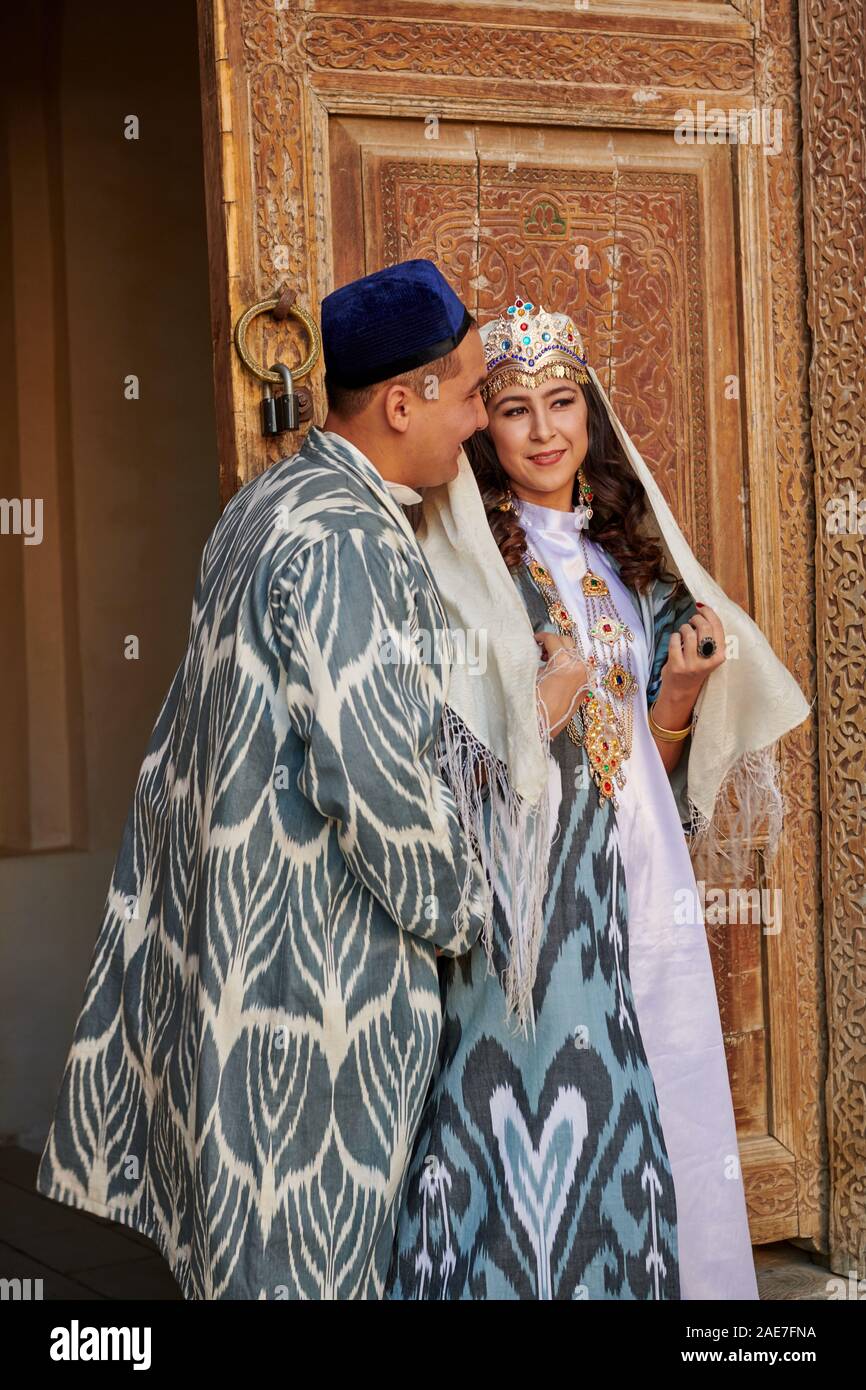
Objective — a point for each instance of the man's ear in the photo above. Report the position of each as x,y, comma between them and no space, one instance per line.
397,407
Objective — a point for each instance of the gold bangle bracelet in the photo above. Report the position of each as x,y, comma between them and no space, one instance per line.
669,735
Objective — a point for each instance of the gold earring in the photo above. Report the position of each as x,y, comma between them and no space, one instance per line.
585,491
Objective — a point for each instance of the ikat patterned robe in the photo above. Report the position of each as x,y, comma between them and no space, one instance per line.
261,1016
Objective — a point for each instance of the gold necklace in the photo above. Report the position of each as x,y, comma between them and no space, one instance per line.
605,731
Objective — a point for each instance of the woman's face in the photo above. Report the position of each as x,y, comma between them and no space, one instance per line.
540,436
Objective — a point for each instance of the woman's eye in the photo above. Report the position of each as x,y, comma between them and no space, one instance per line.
515,410
565,400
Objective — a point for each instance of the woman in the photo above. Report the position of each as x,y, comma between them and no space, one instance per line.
597,1156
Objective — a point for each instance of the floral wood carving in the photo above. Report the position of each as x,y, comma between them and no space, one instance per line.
834,180
361,43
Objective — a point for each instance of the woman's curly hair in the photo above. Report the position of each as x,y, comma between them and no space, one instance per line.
619,503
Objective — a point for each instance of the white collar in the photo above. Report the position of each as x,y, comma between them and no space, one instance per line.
540,518
406,496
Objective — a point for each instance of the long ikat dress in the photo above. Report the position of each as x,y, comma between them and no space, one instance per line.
540,1169
671,969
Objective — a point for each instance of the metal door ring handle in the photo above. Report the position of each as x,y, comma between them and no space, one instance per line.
267,306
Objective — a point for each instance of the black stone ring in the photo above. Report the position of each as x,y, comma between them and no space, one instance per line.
707,646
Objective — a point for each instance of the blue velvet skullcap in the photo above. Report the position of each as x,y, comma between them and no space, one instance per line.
390,322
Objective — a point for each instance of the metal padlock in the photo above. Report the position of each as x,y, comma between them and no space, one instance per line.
280,413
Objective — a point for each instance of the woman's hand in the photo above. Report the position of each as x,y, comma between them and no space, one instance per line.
683,674
685,670
560,682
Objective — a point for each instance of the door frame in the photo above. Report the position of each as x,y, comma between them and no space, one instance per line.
834,208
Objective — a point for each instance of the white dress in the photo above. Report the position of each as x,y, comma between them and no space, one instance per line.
670,967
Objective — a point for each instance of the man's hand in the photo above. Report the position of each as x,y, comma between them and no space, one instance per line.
563,677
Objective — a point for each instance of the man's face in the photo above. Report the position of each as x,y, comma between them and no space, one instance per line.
440,424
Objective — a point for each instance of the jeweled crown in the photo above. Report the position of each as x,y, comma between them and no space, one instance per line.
526,346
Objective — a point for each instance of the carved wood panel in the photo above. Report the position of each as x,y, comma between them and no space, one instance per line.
595,50
797,1071
626,249
834,121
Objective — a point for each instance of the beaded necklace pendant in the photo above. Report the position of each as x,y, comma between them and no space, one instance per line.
606,736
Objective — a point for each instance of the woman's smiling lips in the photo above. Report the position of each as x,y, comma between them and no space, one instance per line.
547,458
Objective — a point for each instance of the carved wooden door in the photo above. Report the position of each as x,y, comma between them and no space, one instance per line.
544,150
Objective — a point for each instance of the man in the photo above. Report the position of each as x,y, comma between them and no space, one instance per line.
262,1011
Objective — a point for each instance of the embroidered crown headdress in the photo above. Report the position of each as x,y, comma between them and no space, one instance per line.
526,346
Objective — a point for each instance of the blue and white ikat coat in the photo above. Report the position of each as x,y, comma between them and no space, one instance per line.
262,1012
